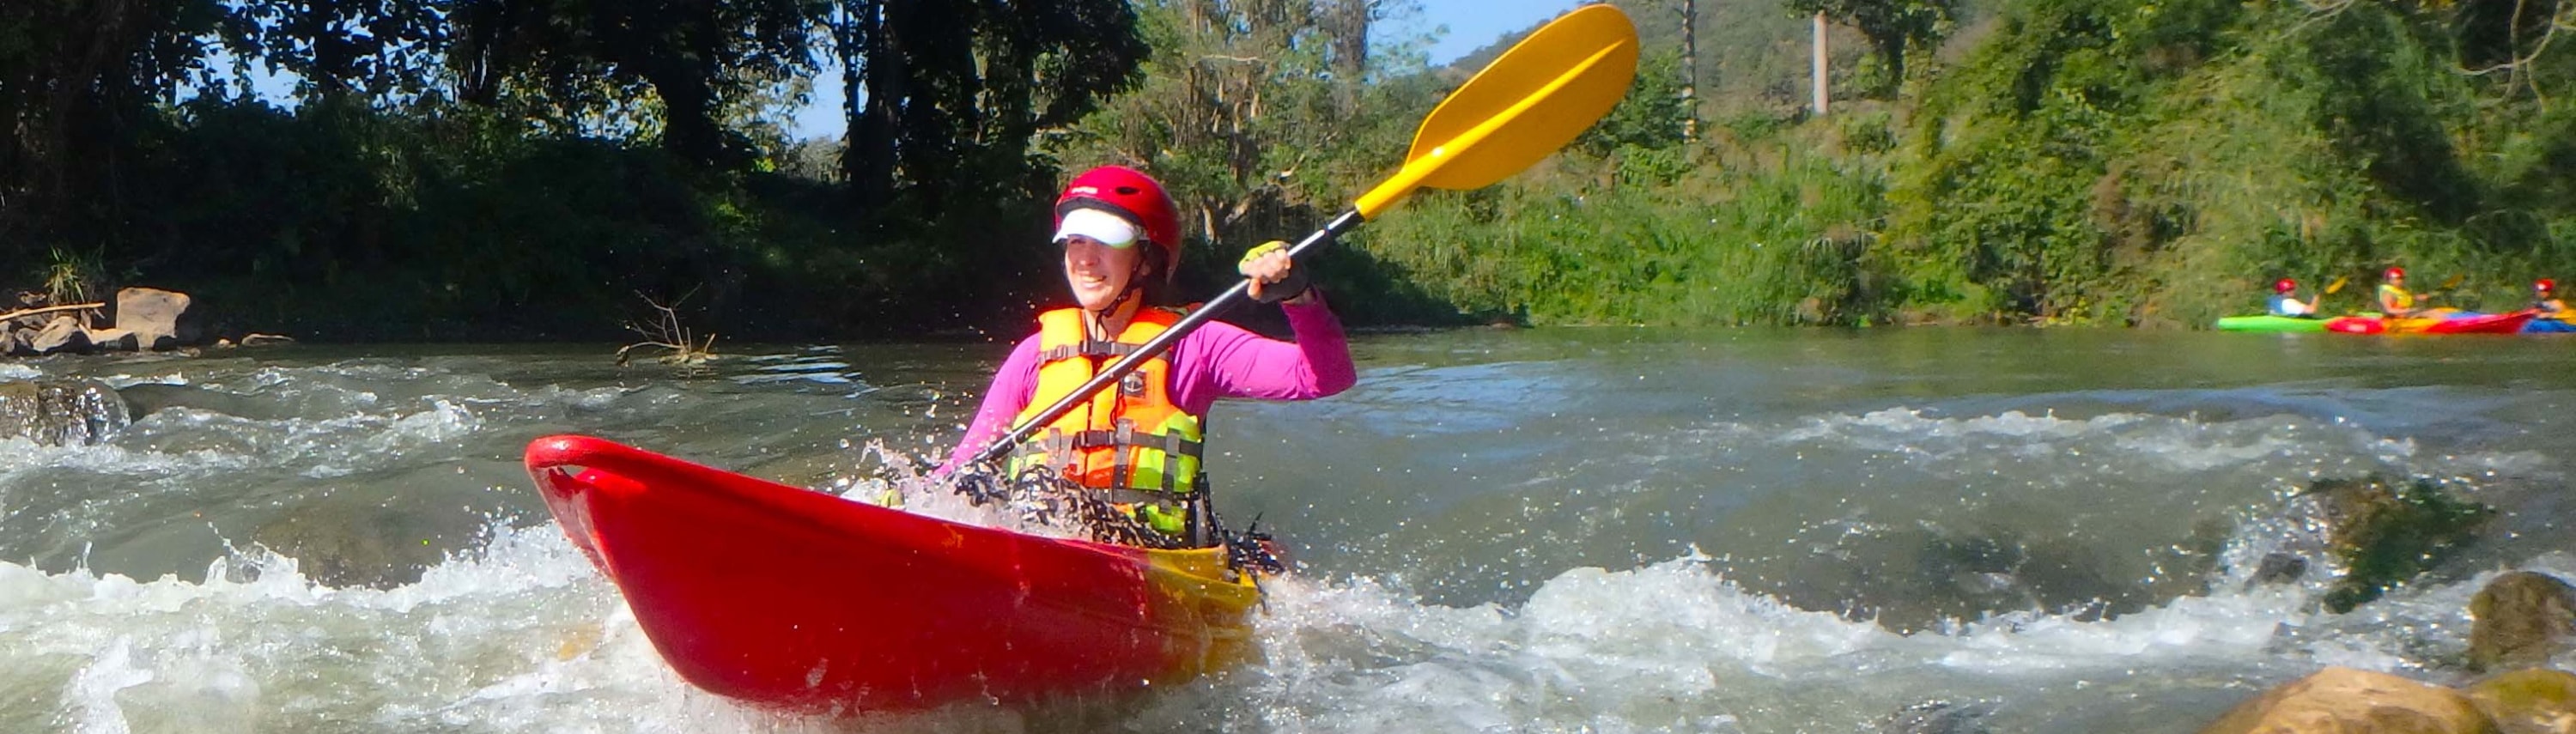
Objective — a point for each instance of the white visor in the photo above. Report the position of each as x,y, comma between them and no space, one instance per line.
1102,227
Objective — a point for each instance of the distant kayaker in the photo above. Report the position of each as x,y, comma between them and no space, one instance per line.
2394,301
2544,298
1140,440
2285,300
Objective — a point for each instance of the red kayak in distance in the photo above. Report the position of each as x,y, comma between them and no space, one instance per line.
796,599
2503,323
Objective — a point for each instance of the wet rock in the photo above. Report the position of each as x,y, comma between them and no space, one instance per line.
62,412
1937,717
2535,701
2387,531
350,539
2523,618
2348,701
158,318
1921,576
114,340
2278,568
62,335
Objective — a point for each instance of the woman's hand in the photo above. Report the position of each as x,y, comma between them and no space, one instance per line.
1275,277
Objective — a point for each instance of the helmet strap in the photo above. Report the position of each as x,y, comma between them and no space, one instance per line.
1099,320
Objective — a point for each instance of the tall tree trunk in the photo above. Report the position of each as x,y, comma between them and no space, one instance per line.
1348,22
1690,70
1819,64
688,112
874,85
60,110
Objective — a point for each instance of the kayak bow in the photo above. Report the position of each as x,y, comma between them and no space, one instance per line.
797,599
2268,323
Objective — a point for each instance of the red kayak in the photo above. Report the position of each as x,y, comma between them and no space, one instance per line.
2503,323
798,599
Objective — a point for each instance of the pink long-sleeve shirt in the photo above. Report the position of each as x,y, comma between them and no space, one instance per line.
1219,360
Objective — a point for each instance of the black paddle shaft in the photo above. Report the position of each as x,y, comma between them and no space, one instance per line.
1160,343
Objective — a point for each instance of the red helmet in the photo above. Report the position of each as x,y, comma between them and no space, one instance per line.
2545,285
1131,195
2392,272
2284,285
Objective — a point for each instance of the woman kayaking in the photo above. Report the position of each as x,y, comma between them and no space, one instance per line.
2394,301
1138,442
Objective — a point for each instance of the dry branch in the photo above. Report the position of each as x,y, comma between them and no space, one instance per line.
51,309
682,349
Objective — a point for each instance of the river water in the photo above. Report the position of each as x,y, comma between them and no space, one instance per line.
1538,530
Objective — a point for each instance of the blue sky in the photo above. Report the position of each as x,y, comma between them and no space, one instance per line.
1471,24
1474,23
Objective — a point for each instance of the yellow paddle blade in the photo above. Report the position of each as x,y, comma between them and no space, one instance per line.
2453,282
2337,285
1531,101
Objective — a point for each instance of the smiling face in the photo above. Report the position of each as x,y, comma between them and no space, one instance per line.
1098,272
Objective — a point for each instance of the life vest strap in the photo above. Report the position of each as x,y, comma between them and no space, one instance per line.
1169,443
1089,348
1168,500
1125,435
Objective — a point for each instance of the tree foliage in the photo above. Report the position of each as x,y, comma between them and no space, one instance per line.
1894,28
694,56
75,77
1251,112
945,95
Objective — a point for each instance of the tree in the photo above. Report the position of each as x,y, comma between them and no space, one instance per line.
345,48
74,78
695,55
946,95
1243,101
1654,115
1893,27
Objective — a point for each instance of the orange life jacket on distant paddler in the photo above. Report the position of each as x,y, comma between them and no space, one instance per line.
1127,438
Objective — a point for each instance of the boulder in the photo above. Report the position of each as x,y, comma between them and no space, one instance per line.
367,539
62,412
2523,618
2278,568
2534,701
158,318
1937,717
62,335
2386,531
2348,701
114,340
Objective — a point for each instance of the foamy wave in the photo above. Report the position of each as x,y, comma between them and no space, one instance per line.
1672,645
2178,443
521,636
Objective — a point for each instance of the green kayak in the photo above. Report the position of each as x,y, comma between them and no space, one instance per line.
2270,323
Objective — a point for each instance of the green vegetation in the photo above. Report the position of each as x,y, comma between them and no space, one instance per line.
479,168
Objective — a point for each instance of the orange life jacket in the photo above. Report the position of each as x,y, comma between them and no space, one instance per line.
1129,436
